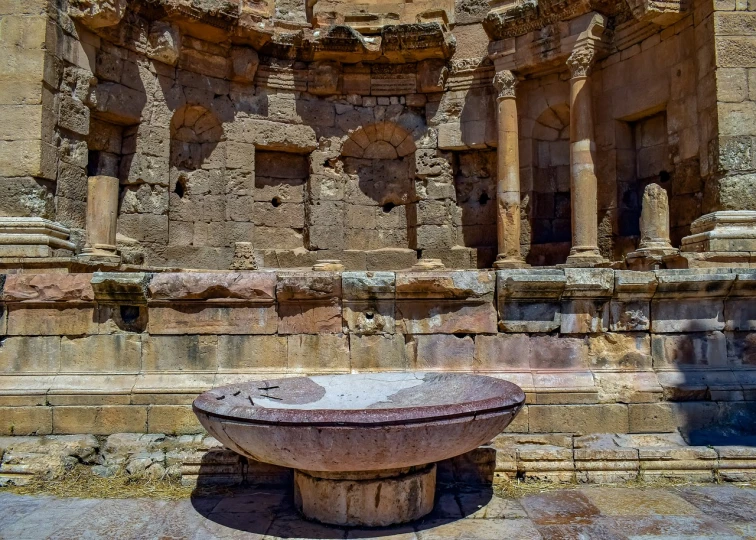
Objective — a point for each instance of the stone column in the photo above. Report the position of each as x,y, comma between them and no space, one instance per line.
583,181
508,174
654,244
102,215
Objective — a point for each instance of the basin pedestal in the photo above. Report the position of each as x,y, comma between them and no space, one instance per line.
366,498
363,446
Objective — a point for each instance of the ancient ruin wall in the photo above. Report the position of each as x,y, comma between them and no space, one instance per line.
218,139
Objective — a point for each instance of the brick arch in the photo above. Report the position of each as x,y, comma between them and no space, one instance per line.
382,140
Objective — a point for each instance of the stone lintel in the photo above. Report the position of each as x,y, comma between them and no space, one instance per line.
449,285
588,283
308,286
634,285
530,284
221,287
715,283
366,286
121,287
48,288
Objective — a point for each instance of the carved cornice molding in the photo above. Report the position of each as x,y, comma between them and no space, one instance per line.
530,15
505,83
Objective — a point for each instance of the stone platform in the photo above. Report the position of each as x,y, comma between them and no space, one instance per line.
556,458
595,350
612,513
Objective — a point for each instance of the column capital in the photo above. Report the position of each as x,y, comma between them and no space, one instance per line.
581,60
505,82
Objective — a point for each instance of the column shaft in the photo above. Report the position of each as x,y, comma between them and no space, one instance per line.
508,175
583,181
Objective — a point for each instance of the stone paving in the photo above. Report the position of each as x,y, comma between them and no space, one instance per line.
690,512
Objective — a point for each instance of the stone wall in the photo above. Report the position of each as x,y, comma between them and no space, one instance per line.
178,108
595,350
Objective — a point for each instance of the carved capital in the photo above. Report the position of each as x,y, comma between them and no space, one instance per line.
505,82
580,61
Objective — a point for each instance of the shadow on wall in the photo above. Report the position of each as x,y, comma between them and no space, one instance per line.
711,405
261,500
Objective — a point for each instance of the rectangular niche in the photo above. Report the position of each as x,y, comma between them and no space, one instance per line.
643,158
279,211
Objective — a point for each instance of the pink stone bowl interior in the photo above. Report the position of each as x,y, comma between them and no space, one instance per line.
360,422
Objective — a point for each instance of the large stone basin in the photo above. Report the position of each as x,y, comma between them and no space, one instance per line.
364,446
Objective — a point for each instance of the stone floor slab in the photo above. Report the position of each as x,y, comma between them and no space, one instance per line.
724,503
112,518
48,518
560,507
638,502
600,529
480,529
673,528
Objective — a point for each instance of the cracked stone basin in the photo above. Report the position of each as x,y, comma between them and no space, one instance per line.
359,422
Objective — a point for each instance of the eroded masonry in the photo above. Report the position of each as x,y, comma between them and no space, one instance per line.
561,193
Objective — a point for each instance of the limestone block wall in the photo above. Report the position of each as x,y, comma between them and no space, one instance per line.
357,155
595,350
732,60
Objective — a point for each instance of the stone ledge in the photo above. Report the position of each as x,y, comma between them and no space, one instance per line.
200,459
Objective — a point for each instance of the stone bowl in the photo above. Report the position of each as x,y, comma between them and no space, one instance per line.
359,422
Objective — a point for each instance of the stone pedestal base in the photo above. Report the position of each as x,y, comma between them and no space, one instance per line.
366,499
729,231
32,237
649,259
509,263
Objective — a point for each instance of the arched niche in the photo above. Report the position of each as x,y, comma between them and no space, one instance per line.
379,166
549,205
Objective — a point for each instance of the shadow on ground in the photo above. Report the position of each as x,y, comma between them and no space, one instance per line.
271,511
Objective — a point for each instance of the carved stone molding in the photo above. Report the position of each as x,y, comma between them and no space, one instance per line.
580,61
505,82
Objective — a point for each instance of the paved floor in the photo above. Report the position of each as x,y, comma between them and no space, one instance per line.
721,512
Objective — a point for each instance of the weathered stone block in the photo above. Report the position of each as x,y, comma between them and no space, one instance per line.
25,420
620,351
441,352
206,318
51,321
709,349
584,316
172,420
229,286
651,418
678,315
41,288
115,353
531,317
629,315
322,353
38,354
103,420
180,353
258,353
378,353
502,353
390,259
368,285
578,419
371,317
445,317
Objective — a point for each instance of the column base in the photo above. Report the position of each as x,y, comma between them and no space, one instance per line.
99,256
505,263
585,259
366,499
649,258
